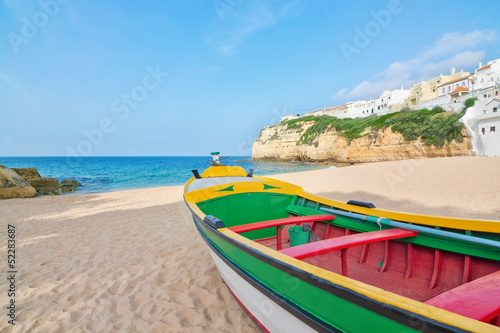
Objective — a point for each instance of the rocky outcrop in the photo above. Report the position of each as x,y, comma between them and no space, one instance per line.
28,174
27,183
13,186
69,186
46,186
279,143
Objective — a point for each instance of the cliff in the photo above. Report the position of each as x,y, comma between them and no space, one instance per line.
281,143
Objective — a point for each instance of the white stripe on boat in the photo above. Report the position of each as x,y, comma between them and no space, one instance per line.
272,316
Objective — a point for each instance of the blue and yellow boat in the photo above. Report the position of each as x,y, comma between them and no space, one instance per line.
302,263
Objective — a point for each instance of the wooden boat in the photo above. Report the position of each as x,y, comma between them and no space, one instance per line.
368,270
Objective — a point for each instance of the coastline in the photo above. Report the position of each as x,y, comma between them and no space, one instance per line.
133,260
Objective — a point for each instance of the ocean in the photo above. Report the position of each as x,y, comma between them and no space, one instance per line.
105,174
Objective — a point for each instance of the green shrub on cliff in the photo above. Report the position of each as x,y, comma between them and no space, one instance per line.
435,129
470,102
411,124
443,128
298,122
434,126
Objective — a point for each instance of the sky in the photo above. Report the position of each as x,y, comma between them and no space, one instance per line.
185,78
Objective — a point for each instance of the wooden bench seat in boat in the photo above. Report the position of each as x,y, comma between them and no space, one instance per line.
478,299
344,242
278,223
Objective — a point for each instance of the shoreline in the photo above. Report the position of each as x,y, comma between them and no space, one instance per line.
403,171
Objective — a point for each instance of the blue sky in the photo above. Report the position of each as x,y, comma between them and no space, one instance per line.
175,78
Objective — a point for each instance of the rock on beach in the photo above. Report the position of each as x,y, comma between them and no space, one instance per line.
14,186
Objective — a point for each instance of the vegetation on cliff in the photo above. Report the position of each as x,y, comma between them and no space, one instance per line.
435,126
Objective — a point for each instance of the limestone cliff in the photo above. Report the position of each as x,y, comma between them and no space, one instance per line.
277,142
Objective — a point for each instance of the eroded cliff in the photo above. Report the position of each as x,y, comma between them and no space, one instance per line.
281,143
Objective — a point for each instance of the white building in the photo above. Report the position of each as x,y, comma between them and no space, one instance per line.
456,87
362,108
389,101
488,125
330,111
482,122
486,81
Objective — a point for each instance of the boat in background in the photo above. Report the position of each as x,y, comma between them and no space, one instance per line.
298,262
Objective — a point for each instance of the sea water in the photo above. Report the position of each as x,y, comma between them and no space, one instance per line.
104,174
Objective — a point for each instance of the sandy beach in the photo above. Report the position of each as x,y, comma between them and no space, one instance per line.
133,261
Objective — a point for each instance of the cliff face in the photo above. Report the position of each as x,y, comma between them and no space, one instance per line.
278,143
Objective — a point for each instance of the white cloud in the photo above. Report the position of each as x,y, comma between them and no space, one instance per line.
452,50
454,42
465,59
241,21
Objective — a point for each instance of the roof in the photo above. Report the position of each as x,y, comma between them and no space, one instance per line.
484,67
456,80
459,89
497,99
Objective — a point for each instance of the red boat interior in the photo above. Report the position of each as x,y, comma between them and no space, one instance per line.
466,285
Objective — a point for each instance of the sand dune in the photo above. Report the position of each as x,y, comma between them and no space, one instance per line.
133,261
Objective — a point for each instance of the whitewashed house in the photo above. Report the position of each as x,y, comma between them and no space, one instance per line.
482,122
488,125
455,88
362,108
391,101
486,81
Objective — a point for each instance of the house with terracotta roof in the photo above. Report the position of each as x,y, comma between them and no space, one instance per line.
486,81
455,88
427,92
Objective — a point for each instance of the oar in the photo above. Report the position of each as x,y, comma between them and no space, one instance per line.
383,221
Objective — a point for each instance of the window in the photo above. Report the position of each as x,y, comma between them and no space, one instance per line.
485,96
494,109
491,80
443,91
482,80
433,89
457,86
449,88
492,129
483,130
463,84
389,97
